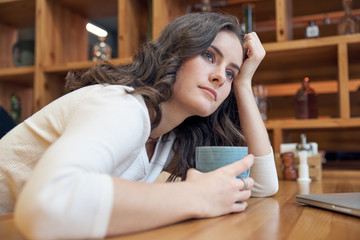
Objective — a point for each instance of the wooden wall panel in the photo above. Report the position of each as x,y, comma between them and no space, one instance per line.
7,40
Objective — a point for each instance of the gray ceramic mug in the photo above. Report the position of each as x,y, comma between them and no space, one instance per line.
209,158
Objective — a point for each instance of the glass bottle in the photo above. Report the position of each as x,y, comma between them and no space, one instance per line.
312,30
247,24
348,24
101,50
15,108
206,6
306,101
261,94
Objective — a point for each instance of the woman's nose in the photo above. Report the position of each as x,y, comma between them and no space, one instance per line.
217,77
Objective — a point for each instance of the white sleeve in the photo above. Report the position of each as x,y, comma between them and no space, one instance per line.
263,171
70,193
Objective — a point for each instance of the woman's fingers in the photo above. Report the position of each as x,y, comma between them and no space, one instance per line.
253,47
246,183
220,191
233,169
240,166
255,53
239,207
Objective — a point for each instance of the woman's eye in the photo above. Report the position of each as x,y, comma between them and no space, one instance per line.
209,56
230,75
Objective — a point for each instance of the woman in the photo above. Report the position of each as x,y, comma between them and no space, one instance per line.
81,166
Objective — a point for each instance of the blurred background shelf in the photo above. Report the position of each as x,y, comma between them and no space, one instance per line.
323,123
78,66
62,44
18,75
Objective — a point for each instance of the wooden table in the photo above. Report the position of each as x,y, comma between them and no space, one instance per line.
277,217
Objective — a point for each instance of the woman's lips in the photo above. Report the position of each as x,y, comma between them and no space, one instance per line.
210,92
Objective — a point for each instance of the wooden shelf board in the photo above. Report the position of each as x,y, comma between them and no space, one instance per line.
286,66
63,68
298,58
92,9
17,13
312,123
20,75
311,43
303,21
291,61
323,87
309,7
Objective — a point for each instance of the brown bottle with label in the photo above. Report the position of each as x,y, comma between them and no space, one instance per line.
306,101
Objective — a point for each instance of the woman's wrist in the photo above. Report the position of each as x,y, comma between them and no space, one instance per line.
243,87
194,204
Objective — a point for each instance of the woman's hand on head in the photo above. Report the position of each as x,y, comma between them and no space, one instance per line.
219,190
255,53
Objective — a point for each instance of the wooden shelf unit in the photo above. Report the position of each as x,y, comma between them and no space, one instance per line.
333,66
62,43
332,62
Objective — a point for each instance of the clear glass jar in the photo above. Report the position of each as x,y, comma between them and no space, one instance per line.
101,50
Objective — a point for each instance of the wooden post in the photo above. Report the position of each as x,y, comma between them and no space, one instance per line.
164,11
60,37
161,16
132,26
277,139
343,68
284,31
40,45
7,40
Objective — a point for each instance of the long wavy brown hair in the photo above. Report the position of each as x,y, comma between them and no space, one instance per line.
152,74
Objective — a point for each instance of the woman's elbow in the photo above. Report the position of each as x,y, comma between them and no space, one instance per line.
34,218
272,191
265,191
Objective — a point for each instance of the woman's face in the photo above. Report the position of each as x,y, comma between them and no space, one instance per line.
203,82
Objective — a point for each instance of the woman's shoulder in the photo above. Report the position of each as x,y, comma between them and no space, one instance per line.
100,89
106,97
105,94
90,101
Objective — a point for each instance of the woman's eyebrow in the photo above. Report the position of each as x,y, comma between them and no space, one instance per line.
217,50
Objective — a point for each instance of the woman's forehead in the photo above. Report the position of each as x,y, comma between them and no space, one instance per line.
230,46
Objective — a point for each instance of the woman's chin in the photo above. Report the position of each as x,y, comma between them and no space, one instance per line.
203,108
205,112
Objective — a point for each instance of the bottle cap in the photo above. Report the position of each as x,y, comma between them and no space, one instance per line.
303,145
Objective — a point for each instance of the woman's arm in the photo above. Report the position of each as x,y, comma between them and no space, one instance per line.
263,171
70,193
252,124
142,206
